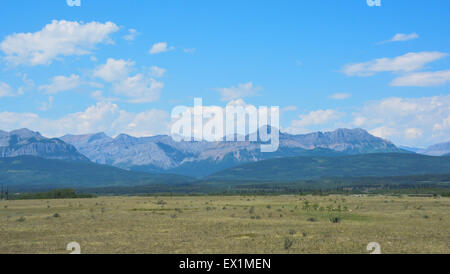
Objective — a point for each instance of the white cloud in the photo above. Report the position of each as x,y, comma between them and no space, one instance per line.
288,108
295,130
98,95
47,105
340,96
316,117
139,88
157,71
413,133
114,70
241,91
408,121
383,132
60,38
423,79
62,83
132,34
160,47
28,84
6,90
401,37
102,117
405,63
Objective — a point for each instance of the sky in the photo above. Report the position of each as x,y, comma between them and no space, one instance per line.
122,66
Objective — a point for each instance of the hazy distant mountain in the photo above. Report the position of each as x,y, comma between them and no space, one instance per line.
162,154
310,168
26,142
437,149
411,149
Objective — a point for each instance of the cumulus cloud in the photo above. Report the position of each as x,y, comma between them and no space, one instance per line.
408,121
59,38
98,95
102,117
160,47
157,71
422,79
405,63
7,91
241,91
61,83
114,70
132,34
139,88
317,117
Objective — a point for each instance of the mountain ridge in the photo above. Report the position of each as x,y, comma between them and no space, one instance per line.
26,142
31,172
162,154
439,149
347,166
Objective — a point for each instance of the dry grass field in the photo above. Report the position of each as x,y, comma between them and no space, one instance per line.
227,224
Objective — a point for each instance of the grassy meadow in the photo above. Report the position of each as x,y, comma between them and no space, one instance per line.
227,224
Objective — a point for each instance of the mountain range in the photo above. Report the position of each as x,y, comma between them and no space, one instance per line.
30,160
437,149
200,158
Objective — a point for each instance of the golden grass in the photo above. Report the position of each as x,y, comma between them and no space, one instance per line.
226,224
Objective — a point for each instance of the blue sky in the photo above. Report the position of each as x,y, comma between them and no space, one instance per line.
327,64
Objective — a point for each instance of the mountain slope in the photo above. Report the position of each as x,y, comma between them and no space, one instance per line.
162,154
365,165
29,172
26,142
437,149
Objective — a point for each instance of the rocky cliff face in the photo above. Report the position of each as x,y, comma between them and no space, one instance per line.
161,153
26,142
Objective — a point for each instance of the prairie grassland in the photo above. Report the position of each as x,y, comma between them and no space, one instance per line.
227,224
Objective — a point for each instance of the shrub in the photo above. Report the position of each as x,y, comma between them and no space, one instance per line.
335,220
288,243
312,219
21,219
